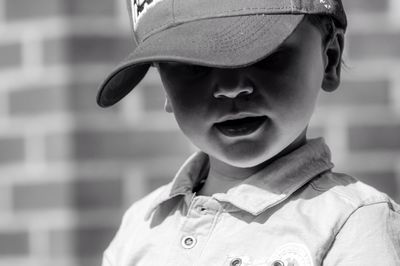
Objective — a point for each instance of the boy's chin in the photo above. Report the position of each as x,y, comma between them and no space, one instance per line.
247,161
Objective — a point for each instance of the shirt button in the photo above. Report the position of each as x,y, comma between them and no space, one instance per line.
236,262
188,242
278,263
202,209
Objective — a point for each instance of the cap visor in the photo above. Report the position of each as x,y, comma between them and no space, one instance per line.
225,42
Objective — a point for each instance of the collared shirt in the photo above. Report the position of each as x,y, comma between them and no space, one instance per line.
294,212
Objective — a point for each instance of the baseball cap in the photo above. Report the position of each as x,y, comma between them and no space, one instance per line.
215,33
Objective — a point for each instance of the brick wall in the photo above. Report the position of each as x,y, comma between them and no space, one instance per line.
69,168
361,120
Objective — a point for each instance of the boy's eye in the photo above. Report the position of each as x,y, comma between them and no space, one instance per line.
193,70
275,61
186,70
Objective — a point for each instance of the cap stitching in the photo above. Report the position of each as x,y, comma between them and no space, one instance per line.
242,43
185,19
226,35
243,9
232,26
245,42
173,11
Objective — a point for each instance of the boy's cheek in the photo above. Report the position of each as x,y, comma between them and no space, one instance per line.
189,94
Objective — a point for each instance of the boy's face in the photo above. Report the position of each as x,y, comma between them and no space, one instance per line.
245,116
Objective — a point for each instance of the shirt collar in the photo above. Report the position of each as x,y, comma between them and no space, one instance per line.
266,188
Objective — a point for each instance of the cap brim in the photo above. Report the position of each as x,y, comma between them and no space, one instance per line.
226,42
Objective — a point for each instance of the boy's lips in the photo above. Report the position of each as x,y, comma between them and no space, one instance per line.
241,126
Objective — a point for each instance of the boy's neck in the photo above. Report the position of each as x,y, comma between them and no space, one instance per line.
222,177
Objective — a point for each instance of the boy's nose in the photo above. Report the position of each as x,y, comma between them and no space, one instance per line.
225,92
231,85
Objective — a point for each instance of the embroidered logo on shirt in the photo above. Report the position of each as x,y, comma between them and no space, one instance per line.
140,7
291,254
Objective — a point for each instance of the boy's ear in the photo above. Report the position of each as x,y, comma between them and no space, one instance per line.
332,60
168,106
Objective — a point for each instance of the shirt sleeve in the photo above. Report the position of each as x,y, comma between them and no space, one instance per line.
370,236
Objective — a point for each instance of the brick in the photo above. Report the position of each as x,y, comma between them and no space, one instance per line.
88,48
11,55
120,145
129,144
35,101
89,194
80,195
153,92
44,100
82,97
358,93
366,5
154,182
80,242
4,198
12,149
364,45
384,181
90,7
58,147
25,10
374,138
14,244
21,9
315,132
41,196
153,97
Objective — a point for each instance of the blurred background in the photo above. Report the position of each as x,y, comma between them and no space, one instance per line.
69,168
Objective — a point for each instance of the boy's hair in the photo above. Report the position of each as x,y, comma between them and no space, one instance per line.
327,25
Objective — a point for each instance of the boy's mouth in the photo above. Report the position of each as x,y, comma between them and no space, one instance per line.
240,127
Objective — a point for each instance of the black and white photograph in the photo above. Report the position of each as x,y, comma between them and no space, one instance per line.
199,132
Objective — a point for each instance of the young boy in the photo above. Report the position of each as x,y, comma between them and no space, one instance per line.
242,78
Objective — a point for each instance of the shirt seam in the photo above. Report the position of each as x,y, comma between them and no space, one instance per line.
393,231
214,224
345,222
362,202
345,197
289,193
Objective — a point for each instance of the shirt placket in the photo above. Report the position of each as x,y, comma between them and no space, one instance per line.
197,227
